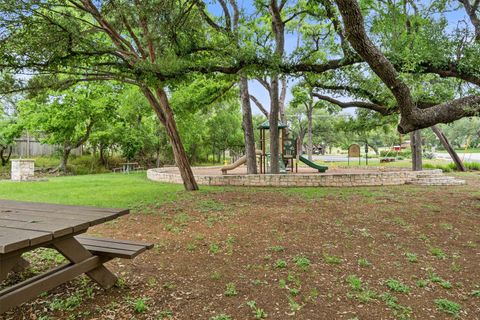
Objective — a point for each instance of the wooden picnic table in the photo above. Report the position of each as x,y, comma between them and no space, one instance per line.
25,226
129,166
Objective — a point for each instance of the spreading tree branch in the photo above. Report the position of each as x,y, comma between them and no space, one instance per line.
356,104
472,11
412,117
259,105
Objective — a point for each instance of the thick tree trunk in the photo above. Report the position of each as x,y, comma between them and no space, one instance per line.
179,153
165,115
273,121
446,144
63,163
157,157
278,28
103,158
416,146
300,138
283,94
247,124
309,131
6,158
471,9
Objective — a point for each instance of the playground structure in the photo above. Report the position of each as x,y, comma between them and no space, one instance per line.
289,157
237,163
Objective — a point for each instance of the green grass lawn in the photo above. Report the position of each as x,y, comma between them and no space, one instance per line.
462,151
101,190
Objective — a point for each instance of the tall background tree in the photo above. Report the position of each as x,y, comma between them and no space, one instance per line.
68,118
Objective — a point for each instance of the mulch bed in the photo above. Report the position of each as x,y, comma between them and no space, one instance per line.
295,254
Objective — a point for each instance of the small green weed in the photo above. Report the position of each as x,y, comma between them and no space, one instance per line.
258,313
363,296
364,263
331,259
165,314
140,305
475,293
411,257
302,262
277,248
399,221
437,252
214,248
231,290
354,282
400,311
67,304
280,264
446,226
421,283
443,283
169,285
215,275
294,306
448,306
397,286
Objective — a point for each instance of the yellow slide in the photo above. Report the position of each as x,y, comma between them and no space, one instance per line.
238,163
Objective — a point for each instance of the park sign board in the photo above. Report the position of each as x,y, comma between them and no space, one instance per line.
354,152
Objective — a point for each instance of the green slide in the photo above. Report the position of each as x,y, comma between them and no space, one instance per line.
313,164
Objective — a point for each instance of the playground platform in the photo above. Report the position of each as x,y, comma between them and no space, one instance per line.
308,177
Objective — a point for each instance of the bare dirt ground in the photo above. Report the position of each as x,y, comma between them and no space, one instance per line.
403,252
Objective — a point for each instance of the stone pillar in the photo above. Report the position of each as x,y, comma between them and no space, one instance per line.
22,169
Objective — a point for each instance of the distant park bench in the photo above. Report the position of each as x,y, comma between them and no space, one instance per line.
128,167
388,159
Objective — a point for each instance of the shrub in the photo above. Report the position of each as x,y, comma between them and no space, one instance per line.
474,166
391,153
428,155
429,166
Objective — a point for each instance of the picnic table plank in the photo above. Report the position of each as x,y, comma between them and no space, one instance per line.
56,216
12,239
12,204
57,230
52,212
92,242
23,219
65,212
36,219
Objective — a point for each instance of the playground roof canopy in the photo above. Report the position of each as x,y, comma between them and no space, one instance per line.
266,125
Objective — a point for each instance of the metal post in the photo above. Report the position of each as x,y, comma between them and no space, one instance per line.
28,145
366,154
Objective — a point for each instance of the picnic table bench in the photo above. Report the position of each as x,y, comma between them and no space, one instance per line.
387,159
25,226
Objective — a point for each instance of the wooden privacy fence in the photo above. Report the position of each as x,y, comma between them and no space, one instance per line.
28,146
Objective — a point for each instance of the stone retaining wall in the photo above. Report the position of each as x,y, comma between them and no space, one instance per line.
294,180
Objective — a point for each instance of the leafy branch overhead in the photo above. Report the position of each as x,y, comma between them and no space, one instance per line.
394,57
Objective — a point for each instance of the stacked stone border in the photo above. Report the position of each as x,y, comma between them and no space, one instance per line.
400,177
22,169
